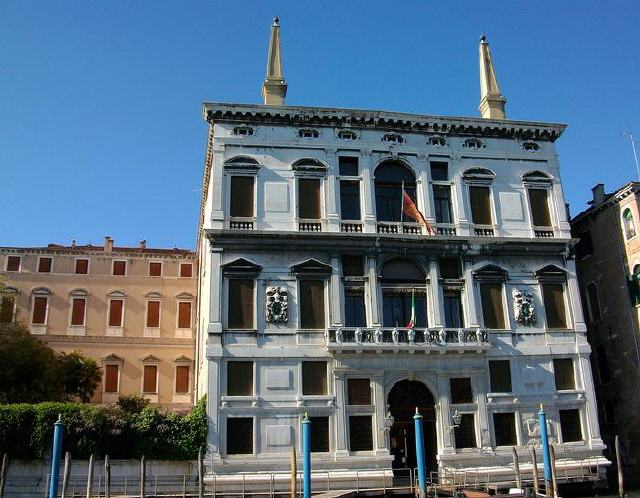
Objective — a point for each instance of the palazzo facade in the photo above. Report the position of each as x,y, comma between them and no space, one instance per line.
311,272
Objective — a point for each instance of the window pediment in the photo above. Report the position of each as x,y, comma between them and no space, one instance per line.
394,138
112,358
183,359
150,359
437,140
491,272
473,143
311,267
246,163
41,291
551,272
79,293
536,176
347,135
308,133
479,174
185,296
10,290
117,294
153,295
241,266
309,165
242,131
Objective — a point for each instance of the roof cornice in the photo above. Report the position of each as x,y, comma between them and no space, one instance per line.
325,116
623,192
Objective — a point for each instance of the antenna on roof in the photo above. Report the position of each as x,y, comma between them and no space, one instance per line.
629,134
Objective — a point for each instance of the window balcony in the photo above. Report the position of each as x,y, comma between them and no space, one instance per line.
483,231
395,340
446,229
399,228
351,226
236,223
310,225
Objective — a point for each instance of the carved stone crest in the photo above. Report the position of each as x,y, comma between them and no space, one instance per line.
523,307
277,304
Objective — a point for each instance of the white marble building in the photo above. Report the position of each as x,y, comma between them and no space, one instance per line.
309,268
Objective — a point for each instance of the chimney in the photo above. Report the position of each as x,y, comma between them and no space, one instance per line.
598,194
73,243
143,244
108,244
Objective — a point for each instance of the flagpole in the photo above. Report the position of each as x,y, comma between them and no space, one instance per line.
402,202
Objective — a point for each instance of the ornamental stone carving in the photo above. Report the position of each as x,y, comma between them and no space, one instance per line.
277,304
523,307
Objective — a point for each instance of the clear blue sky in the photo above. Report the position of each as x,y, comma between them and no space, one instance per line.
100,124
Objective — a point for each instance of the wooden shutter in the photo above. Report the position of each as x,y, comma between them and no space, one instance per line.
111,378
314,377
77,311
182,379
500,376
563,374
480,205
150,384
119,267
6,310
184,315
492,308
461,391
312,304
155,269
240,378
539,207
186,270
239,436
241,196
309,199
44,265
153,314
465,433
570,427
241,304
360,433
553,297
39,310
115,312
504,427
319,434
13,263
359,391
82,266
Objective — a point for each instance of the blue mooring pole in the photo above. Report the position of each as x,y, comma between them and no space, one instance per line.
56,454
306,457
422,469
546,455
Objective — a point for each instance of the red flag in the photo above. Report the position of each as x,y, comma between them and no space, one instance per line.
409,208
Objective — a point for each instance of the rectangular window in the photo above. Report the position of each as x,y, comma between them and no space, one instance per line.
241,204
150,379
359,391
352,266
153,314
309,199
111,378
396,308
480,198
500,376
504,427
319,434
82,266
115,312
13,263
6,310
450,268
240,436
182,379
184,315
119,268
453,316
553,299
314,378
465,433
492,307
349,200
348,166
312,304
360,433
570,427
539,207
461,391
186,270
77,310
241,304
563,374
442,203
354,307
439,171
155,269
39,316
44,265
240,378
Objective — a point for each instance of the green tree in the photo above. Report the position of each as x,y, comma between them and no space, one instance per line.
29,369
80,376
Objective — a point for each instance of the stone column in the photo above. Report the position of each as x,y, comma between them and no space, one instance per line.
575,304
438,305
424,192
368,191
213,403
215,276
471,315
340,416
373,289
591,412
332,192
379,402
443,415
335,292
480,392
216,185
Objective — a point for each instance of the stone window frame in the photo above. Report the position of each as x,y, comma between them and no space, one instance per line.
474,143
628,224
308,133
126,267
309,168
6,265
312,269
515,410
10,292
581,419
42,292
491,273
112,359
254,437
40,258
478,176
437,140
394,138
78,293
350,178
553,274
240,269
537,179
342,134
241,165
75,265
183,361
115,295
242,131
150,360
154,261
184,297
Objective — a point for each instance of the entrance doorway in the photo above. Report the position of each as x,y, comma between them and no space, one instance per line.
403,399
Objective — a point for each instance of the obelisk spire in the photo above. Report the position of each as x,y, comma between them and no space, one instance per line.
274,87
491,100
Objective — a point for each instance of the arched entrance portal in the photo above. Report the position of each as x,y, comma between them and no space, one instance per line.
403,399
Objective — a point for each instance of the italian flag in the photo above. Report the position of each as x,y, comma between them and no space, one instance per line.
412,321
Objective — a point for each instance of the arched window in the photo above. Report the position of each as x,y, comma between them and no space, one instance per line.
404,297
594,302
390,178
629,224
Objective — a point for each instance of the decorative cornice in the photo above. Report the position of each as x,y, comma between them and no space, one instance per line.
612,199
392,121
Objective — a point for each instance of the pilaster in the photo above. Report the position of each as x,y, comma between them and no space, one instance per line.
368,191
373,289
213,402
471,319
215,292
332,192
335,292
340,416
436,295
